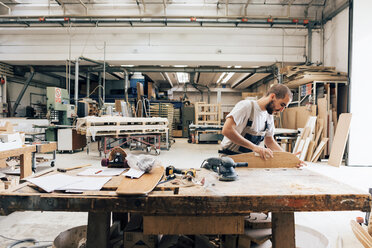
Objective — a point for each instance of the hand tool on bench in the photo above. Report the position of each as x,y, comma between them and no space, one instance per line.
224,167
72,168
186,172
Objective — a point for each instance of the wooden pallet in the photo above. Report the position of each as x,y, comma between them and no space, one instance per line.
102,126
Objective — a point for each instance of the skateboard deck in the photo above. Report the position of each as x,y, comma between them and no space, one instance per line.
143,185
280,160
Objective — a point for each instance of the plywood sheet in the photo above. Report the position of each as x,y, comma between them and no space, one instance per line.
340,138
280,160
303,114
289,118
143,185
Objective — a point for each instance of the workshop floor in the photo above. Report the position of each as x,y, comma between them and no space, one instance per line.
45,226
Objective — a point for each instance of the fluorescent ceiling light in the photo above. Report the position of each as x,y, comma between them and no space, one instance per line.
220,78
183,77
227,78
127,65
180,65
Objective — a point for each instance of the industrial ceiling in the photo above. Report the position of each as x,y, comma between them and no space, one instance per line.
298,14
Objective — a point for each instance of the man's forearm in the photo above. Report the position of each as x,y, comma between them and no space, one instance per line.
273,145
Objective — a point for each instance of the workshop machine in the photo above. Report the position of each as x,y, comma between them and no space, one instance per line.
60,111
116,159
61,115
87,107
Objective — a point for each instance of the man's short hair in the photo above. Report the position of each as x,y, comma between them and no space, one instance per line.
280,91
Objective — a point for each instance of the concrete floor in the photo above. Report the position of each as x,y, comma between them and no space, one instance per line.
45,226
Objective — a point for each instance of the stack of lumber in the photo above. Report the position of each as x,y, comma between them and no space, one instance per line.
9,139
117,125
295,76
164,110
307,144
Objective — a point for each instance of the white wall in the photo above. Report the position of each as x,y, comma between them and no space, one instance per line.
361,86
149,46
336,41
15,88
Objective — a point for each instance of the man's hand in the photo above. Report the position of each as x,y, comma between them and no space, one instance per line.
301,163
263,152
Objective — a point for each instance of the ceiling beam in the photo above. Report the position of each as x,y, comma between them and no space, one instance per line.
264,69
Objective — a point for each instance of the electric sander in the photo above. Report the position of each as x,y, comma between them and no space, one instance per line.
224,167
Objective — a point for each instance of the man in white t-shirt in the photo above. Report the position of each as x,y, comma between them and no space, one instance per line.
251,122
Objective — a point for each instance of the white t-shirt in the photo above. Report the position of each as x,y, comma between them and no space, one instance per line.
241,113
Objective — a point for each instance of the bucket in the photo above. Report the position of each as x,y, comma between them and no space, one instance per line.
307,237
75,237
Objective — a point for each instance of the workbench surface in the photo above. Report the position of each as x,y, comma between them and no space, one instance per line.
214,208
256,190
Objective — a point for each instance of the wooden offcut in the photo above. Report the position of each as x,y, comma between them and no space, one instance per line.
48,147
189,225
361,234
319,150
340,138
25,156
279,160
143,185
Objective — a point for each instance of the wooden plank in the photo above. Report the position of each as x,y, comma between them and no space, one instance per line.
305,149
17,151
319,132
44,148
310,151
297,144
189,225
114,183
319,150
143,185
361,234
280,160
323,114
339,142
26,164
283,230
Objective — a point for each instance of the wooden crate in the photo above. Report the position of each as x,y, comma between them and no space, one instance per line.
207,114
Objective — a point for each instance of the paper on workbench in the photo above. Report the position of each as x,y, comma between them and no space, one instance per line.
53,182
101,172
85,184
133,173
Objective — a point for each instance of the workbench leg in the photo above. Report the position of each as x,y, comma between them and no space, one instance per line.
98,229
34,161
26,164
122,217
283,230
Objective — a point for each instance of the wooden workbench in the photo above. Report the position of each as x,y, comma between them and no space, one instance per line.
25,154
280,191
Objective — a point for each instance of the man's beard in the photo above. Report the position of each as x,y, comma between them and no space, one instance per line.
270,107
